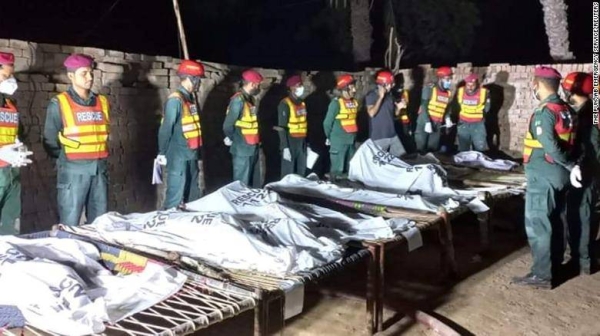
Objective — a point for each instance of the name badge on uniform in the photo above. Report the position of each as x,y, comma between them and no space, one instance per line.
538,130
193,109
301,112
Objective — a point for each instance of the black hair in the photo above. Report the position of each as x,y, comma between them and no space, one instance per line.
550,83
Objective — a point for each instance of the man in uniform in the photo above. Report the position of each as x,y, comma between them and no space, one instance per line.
401,96
241,130
474,103
546,154
76,132
180,137
292,129
581,214
10,131
433,112
383,110
340,126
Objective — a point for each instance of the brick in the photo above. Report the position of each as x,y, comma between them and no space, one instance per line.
18,44
110,68
21,64
49,47
148,58
159,72
22,77
164,58
61,78
94,52
116,60
4,43
16,52
156,65
133,57
115,53
71,49
62,87
48,87
39,78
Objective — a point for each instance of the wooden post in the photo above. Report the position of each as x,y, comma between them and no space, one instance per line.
186,55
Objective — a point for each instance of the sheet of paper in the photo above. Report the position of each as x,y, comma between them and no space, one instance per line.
156,173
311,158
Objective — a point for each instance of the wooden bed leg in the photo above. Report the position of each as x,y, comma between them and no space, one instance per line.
372,284
484,220
261,318
381,288
448,258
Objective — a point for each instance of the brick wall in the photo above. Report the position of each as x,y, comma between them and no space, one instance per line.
137,87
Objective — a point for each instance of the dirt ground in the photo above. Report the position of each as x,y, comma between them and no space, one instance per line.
483,302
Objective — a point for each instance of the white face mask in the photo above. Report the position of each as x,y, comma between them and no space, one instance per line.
299,91
536,95
9,86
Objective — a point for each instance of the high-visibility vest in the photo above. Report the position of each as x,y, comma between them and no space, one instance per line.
85,128
472,106
437,104
404,118
248,123
564,130
190,122
347,114
9,126
297,123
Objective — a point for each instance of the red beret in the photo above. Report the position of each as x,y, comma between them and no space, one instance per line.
471,78
293,81
7,58
547,72
191,68
252,76
77,61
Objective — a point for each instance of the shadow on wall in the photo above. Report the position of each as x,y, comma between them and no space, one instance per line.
316,104
216,157
38,181
414,94
502,97
135,119
267,119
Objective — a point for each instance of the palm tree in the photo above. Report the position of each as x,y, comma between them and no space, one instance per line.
557,29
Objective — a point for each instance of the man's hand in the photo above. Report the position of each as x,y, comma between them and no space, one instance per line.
428,128
161,160
381,92
15,154
227,142
327,142
449,123
400,105
287,156
576,177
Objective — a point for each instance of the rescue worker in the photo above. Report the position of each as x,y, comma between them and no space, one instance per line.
383,110
293,129
433,112
546,155
10,132
241,130
76,132
180,137
474,103
340,126
581,214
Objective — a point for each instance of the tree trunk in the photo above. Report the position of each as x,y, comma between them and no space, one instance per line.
361,30
557,29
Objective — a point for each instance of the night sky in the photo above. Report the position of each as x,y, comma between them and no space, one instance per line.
270,33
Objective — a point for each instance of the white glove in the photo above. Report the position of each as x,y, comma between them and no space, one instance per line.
576,177
287,156
15,154
227,141
161,160
327,142
428,128
449,123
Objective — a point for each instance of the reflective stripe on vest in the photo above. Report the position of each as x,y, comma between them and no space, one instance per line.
437,104
471,107
248,123
347,114
85,128
404,118
297,124
563,128
190,122
9,126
